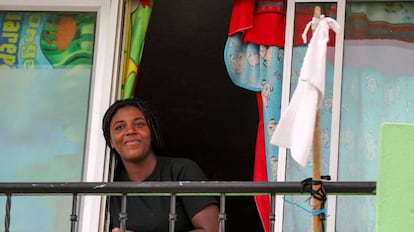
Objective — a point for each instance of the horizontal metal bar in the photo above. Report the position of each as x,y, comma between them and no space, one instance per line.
183,188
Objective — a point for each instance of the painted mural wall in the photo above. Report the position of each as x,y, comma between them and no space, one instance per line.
45,78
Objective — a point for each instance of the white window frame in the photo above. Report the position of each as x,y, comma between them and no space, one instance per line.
104,87
336,103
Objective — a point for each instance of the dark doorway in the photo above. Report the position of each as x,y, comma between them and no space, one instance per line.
204,116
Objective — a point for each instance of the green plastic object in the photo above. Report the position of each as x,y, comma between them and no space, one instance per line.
395,184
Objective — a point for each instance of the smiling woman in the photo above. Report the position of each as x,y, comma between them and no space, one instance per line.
132,132
131,137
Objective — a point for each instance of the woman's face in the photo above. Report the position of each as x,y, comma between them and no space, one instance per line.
130,134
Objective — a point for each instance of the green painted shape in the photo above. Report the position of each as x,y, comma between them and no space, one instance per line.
395,184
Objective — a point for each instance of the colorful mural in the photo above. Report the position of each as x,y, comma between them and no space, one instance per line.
45,76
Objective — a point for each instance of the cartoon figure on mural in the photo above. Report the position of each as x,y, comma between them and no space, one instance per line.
68,39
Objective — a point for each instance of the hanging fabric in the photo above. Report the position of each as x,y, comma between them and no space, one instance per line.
136,23
254,59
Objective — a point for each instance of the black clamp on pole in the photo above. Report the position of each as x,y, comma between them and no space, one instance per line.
318,193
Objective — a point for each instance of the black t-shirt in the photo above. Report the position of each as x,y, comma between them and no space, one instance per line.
149,213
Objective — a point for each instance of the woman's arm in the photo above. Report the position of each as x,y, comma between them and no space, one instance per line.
207,219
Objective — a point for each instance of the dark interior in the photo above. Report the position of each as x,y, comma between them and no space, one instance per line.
204,116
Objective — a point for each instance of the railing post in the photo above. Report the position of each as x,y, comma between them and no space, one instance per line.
123,216
73,216
272,216
7,218
222,215
173,214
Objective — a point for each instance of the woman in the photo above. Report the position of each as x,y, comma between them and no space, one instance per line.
132,132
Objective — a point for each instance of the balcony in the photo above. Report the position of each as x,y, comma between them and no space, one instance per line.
223,189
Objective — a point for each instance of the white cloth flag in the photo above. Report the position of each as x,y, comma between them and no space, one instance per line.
297,122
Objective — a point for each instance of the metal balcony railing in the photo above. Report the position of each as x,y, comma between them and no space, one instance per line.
216,188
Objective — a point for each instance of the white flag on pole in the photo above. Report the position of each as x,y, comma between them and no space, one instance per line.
297,122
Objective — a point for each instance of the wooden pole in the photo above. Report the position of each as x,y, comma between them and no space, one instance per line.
316,168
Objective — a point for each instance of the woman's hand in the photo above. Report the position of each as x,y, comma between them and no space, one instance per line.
116,229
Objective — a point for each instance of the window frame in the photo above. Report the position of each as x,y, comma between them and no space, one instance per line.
104,89
336,103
